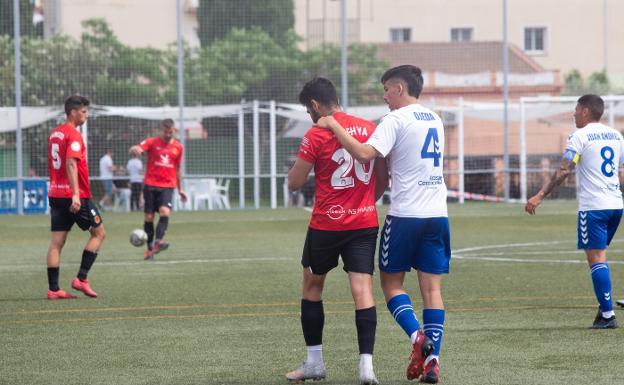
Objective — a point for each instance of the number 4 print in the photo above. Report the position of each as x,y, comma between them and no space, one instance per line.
432,141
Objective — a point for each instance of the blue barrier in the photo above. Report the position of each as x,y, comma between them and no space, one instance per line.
35,197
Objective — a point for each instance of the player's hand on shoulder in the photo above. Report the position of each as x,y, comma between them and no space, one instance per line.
326,122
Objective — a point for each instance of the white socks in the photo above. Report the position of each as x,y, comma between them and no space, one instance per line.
315,354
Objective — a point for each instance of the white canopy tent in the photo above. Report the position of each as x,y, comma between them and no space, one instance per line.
526,109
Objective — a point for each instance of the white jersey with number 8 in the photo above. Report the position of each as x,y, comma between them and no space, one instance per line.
598,151
413,139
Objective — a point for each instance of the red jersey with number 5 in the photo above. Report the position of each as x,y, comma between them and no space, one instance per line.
344,197
163,160
64,142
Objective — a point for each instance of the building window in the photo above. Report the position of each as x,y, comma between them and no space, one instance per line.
398,35
535,39
461,34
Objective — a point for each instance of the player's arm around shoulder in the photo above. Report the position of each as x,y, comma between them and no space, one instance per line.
360,151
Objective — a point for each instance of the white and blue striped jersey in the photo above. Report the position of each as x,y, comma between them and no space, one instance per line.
413,139
598,151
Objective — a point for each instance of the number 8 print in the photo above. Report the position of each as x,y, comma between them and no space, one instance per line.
608,161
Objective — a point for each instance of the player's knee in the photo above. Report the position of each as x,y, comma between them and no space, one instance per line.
99,233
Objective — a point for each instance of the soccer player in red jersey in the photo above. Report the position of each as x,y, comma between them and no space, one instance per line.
69,198
344,223
164,155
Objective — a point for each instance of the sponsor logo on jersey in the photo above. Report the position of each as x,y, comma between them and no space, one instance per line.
165,161
336,212
434,180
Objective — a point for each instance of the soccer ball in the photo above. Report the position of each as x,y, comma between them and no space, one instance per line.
138,237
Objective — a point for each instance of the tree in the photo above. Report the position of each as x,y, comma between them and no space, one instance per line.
216,18
123,75
573,83
6,18
597,83
244,64
365,70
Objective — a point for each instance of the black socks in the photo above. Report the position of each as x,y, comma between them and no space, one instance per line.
312,322
366,324
163,222
53,278
149,230
88,257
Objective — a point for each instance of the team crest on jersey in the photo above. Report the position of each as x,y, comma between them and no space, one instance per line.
174,151
75,146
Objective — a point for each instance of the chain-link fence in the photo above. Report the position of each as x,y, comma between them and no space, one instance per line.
244,62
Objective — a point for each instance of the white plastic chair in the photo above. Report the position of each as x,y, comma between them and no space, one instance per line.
122,199
204,192
222,193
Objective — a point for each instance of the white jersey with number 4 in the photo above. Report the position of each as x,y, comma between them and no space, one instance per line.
598,151
412,137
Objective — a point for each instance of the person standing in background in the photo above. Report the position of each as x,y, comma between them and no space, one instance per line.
107,168
135,171
163,176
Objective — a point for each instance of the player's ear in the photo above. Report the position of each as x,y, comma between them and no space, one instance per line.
315,105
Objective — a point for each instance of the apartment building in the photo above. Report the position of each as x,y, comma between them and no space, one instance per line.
558,34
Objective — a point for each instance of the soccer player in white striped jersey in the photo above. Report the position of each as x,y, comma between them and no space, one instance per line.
597,151
416,231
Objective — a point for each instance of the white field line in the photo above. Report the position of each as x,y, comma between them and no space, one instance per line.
470,253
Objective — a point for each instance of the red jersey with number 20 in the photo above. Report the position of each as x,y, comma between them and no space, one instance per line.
345,188
163,160
64,142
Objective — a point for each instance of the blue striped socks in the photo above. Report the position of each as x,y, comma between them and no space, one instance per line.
433,326
602,287
402,311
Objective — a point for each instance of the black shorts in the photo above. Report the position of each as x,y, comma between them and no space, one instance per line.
62,219
155,197
357,248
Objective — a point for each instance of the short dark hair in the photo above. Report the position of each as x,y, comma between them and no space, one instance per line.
320,89
74,102
594,103
167,123
411,75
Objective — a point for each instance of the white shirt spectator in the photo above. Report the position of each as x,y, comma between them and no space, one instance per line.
135,170
106,167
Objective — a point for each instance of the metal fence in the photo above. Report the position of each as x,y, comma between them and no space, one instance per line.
229,72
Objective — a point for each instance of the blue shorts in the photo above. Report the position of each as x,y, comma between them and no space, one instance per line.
595,228
420,243
108,186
